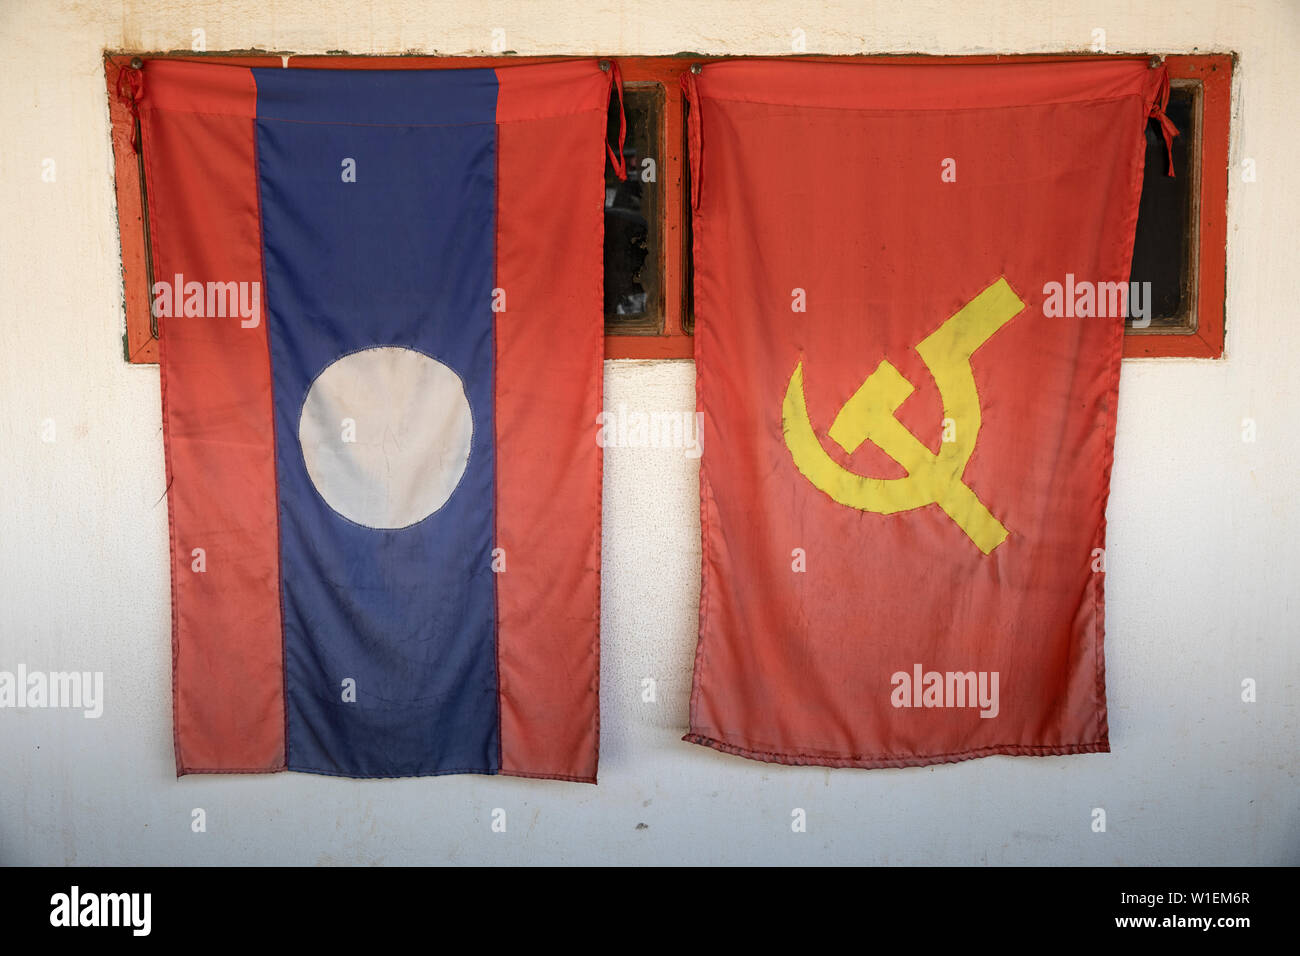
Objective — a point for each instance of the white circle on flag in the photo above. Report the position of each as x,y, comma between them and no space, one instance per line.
385,435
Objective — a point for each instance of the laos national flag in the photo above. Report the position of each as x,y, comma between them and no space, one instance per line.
379,303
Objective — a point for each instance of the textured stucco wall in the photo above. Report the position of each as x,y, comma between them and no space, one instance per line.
1203,552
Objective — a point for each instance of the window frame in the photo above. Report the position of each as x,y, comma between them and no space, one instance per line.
1213,72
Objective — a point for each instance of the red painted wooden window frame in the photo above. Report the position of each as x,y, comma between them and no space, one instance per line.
1212,71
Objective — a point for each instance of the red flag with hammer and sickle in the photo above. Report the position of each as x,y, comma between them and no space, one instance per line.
911,283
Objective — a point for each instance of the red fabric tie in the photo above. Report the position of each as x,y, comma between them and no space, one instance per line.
130,90
694,134
618,160
1167,126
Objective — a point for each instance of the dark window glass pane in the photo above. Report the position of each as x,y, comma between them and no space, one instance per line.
633,256
1163,243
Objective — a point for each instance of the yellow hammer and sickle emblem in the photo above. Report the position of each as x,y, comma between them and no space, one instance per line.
869,416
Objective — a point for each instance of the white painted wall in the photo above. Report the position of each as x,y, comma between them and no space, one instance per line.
1203,560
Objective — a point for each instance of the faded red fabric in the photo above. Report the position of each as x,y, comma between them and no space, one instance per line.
227,644
550,234
827,182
